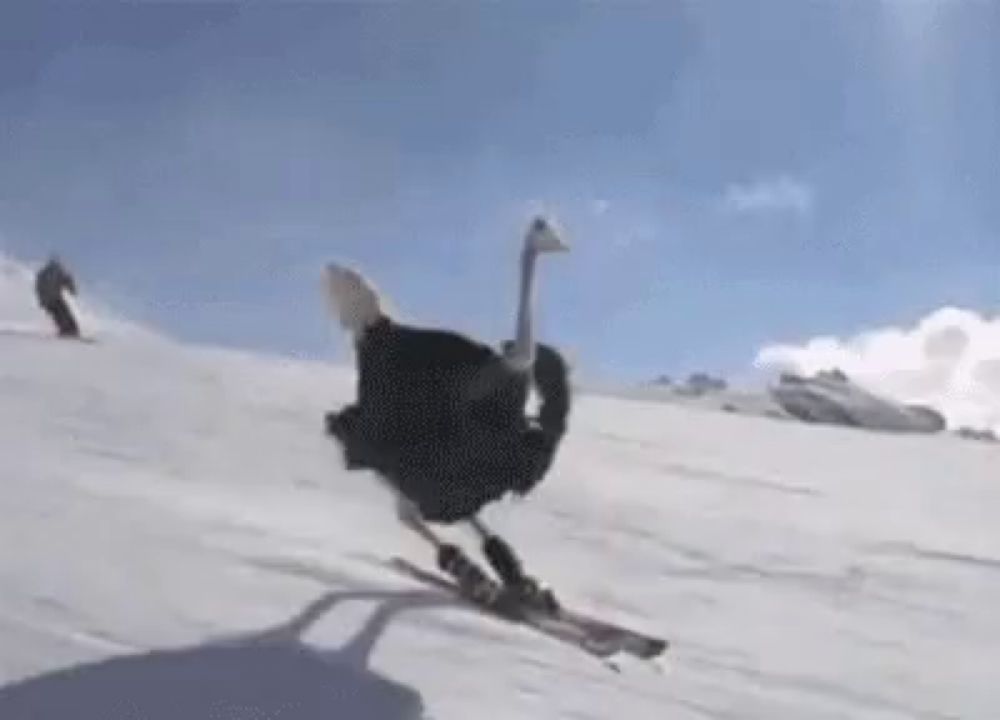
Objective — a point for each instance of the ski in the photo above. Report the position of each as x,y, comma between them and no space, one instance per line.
598,638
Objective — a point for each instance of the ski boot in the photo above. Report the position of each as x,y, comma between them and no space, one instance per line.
520,588
471,578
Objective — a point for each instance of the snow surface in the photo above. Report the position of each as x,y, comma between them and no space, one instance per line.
178,540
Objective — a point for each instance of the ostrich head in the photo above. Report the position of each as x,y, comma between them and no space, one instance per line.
543,237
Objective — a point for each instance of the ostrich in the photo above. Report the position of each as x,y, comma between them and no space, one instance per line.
440,418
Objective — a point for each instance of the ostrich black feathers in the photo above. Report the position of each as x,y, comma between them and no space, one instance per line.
442,418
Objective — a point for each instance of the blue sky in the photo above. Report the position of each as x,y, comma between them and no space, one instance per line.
730,174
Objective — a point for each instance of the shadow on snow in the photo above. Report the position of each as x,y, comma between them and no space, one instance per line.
268,675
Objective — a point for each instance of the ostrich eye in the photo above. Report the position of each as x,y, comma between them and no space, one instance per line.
539,225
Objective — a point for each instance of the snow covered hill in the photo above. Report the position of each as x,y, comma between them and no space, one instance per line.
178,540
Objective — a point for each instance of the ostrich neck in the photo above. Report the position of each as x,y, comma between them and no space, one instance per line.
522,356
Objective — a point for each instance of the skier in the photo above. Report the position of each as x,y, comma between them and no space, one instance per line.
50,282
440,418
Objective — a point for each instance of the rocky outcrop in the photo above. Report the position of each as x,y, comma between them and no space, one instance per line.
831,397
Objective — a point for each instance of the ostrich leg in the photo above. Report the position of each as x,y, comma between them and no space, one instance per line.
508,567
450,558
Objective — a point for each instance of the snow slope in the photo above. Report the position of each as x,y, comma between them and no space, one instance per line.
742,401
178,540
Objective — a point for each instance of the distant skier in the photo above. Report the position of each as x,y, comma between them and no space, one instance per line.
50,283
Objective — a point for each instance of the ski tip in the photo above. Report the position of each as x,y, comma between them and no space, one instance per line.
619,661
655,647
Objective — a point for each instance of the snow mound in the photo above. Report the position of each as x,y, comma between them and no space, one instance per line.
950,360
832,398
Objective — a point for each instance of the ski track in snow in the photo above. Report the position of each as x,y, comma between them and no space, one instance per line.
178,539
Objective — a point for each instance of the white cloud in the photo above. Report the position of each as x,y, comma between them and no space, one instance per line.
780,194
950,360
